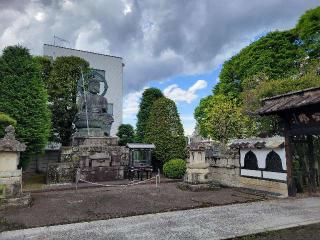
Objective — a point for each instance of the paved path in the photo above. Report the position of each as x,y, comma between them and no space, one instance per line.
205,223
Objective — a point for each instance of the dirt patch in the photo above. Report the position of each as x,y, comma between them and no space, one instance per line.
310,232
68,206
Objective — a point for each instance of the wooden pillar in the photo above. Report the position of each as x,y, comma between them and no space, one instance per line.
292,190
311,162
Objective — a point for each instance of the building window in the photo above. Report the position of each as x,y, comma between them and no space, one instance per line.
273,162
110,108
250,161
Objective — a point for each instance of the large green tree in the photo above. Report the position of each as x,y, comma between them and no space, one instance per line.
165,130
125,134
24,98
62,90
276,63
149,96
221,118
274,55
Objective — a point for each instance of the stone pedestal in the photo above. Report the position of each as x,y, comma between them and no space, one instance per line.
11,177
99,159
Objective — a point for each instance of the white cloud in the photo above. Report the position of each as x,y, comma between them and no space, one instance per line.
154,38
131,104
180,95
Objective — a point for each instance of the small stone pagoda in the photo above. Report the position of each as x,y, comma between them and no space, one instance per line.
10,176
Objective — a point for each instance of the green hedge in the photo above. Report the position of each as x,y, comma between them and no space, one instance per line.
5,121
175,168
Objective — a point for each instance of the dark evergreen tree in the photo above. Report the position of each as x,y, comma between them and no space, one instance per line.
125,134
164,129
149,96
24,98
62,90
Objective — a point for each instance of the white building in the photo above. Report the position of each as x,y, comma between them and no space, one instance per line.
110,66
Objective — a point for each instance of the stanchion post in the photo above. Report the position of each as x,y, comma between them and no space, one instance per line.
77,177
159,174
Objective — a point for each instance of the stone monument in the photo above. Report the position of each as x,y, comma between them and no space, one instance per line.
93,150
10,176
93,119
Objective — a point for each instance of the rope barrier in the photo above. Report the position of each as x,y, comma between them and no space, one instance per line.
78,179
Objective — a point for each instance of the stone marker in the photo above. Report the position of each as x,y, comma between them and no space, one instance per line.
10,176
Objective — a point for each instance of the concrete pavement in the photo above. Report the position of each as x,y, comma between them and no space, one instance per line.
205,223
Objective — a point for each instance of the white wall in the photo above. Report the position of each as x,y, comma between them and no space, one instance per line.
261,155
113,68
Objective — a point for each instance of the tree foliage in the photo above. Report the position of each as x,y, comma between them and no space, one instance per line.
165,130
149,96
24,98
125,134
5,121
221,118
274,55
308,32
277,63
62,89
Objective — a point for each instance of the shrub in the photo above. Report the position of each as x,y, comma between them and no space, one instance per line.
5,121
175,168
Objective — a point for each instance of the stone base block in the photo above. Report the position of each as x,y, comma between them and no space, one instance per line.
95,141
10,187
21,201
194,175
198,187
100,174
277,188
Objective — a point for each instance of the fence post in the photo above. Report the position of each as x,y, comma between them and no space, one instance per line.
77,177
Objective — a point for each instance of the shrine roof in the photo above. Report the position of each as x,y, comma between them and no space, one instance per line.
291,100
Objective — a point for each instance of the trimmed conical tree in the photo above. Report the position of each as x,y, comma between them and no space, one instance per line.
149,96
165,130
24,98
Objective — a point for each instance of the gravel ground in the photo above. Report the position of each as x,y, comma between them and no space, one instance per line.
220,222
310,232
69,206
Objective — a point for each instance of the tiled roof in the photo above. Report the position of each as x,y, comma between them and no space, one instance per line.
272,142
140,145
290,100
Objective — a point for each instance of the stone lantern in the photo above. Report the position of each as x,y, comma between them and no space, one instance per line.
10,176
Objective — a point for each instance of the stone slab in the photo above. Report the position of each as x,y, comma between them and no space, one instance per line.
13,173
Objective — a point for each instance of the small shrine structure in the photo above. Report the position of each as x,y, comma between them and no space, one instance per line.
140,155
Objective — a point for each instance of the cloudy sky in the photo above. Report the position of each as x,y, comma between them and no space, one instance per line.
175,45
